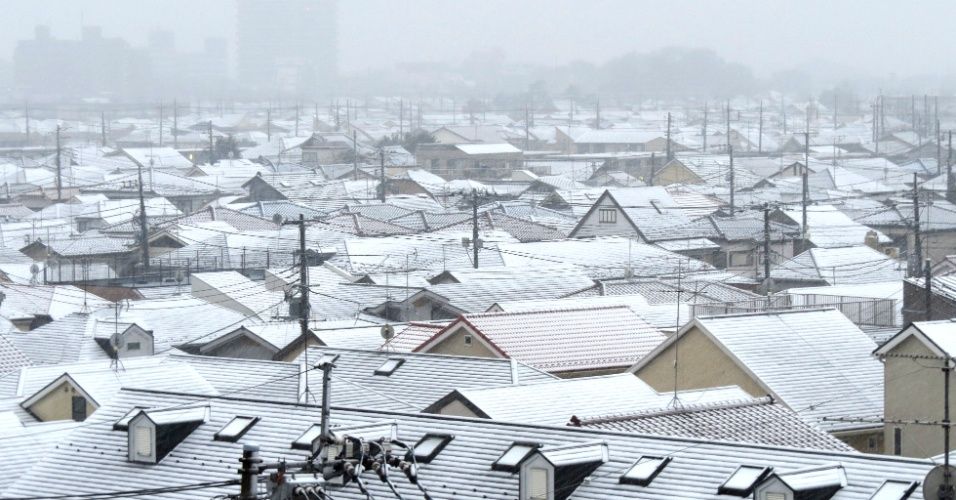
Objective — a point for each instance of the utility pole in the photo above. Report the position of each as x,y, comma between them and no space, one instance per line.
806,186
59,173
103,128
143,235
381,172
928,285
249,472
160,124
212,149
766,246
304,304
728,125
26,112
835,102
917,243
730,151
704,134
939,150
474,226
401,119
653,169
527,134
175,124
669,136
597,114
950,182
783,111
354,157
760,130
269,124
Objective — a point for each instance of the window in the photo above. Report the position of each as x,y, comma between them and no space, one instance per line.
897,441
304,442
607,215
513,456
143,437
78,413
739,259
430,446
894,490
132,346
644,470
538,483
235,429
743,480
468,340
389,366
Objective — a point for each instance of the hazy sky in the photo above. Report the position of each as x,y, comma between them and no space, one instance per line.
876,36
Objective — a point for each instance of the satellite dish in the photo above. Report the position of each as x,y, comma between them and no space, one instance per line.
118,342
34,269
388,331
180,276
934,481
277,219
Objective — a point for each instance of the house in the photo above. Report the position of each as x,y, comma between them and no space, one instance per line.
198,436
469,161
943,302
740,241
566,342
836,266
827,227
914,383
815,362
640,212
616,140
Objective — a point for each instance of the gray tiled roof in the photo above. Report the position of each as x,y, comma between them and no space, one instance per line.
461,469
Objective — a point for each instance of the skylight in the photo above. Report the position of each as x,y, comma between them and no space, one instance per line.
304,442
123,423
430,446
742,481
513,456
644,470
389,366
235,429
894,490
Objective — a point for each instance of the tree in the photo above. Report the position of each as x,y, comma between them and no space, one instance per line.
227,147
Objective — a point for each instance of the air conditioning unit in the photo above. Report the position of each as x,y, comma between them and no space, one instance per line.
893,252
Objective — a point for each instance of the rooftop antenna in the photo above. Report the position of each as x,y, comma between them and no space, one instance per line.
675,401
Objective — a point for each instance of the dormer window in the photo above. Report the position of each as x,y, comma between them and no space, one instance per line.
819,483
131,342
573,464
153,434
61,399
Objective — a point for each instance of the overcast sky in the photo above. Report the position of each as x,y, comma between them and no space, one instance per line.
878,37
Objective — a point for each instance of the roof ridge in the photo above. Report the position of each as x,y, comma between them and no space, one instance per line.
683,409
546,311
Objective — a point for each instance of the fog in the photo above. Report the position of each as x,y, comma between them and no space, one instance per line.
869,44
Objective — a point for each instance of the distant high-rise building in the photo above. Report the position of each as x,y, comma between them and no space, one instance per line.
286,47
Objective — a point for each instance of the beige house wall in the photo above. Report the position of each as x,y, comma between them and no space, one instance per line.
455,344
58,404
914,392
458,409
701,364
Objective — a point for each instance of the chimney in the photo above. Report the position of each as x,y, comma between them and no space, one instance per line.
872,240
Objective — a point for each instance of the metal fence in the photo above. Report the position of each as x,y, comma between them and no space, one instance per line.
862,311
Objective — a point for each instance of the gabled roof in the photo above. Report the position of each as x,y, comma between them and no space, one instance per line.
465,462
419,380
938,336
649,210
573,339
749,420
816,362
839,266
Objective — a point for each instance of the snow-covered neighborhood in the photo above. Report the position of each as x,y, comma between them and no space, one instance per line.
253,271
